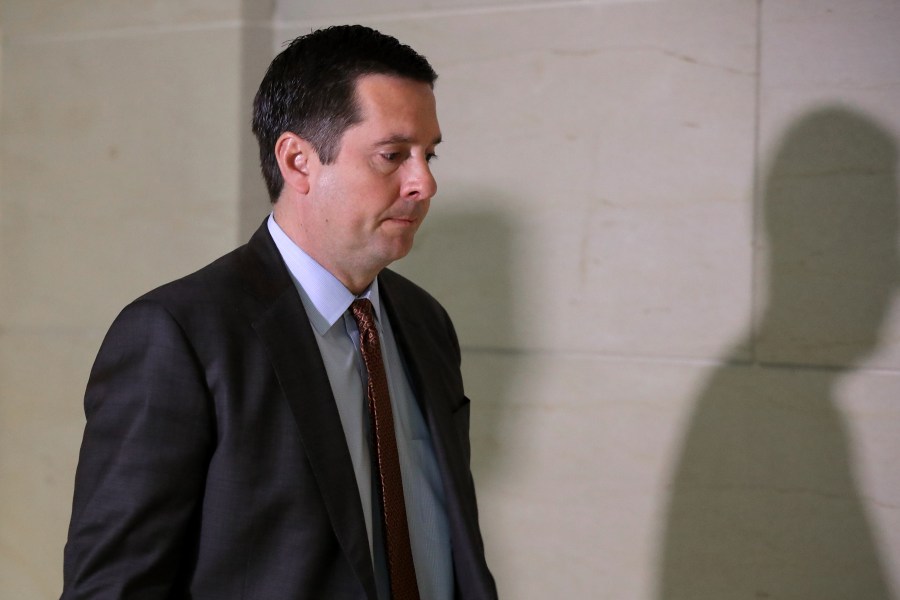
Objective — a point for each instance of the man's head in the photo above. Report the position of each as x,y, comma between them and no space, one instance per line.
350,174
310,89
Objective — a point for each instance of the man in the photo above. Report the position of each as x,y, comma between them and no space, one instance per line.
236,443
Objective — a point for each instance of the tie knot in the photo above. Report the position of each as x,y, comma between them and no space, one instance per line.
363,313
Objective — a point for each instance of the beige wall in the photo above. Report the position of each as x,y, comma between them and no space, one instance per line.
666,230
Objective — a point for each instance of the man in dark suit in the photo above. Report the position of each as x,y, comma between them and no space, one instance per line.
231,448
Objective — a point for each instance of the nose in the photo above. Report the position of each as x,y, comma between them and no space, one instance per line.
419,183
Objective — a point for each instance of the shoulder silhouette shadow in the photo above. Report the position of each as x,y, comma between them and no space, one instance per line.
763,498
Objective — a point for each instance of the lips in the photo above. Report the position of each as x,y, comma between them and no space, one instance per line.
408,219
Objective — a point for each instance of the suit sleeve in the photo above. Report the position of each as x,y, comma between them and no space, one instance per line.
142,467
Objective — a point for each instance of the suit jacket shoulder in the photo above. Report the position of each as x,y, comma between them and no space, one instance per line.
214,464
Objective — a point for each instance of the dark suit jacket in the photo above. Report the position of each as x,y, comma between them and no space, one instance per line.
214,465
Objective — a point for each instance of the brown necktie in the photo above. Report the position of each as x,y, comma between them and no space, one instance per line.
401,570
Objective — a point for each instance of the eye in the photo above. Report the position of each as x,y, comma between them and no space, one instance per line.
430,157
390,156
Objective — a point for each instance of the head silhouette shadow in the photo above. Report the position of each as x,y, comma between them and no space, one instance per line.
763,501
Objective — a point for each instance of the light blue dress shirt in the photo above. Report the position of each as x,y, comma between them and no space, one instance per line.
327,301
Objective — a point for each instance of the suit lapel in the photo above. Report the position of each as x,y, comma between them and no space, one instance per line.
429,369
290,342
433,367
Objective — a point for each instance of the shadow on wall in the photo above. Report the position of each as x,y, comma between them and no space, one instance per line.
462,256
763,499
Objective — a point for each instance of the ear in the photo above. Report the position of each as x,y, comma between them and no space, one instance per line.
295,156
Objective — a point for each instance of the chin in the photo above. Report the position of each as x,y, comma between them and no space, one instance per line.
398,251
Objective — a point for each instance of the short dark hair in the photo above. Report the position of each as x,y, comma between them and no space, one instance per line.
310,89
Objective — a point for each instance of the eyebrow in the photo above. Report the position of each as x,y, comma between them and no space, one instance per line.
404,139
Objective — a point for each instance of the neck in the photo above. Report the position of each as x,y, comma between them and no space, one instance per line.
355,278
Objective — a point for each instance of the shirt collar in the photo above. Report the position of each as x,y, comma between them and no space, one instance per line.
325,298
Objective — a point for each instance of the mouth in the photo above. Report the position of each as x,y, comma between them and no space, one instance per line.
407,221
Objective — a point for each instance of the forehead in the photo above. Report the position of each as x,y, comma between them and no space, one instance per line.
398,106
